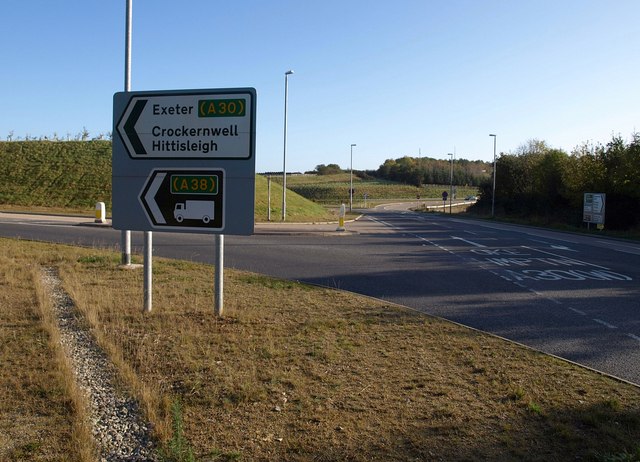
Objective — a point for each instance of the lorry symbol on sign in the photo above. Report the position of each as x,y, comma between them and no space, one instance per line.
194,210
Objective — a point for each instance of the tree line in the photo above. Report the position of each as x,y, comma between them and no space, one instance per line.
425,170
421,171
546,183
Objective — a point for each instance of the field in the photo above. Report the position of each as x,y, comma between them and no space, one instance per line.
290,373
334,189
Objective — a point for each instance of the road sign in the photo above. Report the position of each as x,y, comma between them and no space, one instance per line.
201,124
184,199
594,208
184,161
445,194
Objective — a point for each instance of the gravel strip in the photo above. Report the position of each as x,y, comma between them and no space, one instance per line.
120,432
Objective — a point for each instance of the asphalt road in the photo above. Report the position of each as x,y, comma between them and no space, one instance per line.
574,296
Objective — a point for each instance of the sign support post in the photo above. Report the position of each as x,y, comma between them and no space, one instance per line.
148,271
219,276
125,235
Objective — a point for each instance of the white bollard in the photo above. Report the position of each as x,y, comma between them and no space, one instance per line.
101,213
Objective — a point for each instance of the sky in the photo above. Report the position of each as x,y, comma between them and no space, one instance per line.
409,77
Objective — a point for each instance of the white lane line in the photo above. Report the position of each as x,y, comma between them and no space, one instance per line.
423,239
468,241
580,312
605,324
563,247
40,223
635,337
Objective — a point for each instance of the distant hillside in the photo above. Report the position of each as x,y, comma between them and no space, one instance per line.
334,189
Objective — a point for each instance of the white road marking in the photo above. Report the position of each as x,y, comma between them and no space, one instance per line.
606,324
583,263
580,312
467,241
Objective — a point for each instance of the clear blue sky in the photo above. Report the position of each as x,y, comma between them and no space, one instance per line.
392,77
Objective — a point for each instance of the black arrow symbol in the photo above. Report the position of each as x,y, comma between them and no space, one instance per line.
130,124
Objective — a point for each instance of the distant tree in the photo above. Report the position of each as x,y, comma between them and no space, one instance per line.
330,169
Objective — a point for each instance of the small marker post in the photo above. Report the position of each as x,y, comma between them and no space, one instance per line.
343,210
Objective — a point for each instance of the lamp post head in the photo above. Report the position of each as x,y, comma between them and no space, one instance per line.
353,145
492,135
289,72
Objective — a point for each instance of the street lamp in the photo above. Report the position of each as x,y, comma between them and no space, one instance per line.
493,194
451,186
351,181
284,156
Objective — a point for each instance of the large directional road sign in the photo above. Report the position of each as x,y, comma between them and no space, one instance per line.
184,161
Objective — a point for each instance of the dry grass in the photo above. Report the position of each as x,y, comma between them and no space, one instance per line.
40,417
299,373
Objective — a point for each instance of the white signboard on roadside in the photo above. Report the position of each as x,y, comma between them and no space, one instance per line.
594,208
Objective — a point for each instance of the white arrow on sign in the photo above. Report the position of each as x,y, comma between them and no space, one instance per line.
149,198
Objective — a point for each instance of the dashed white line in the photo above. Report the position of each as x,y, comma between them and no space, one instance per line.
580,312
605,324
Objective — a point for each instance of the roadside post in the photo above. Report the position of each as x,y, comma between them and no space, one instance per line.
101,214
268,197
343,211
184,162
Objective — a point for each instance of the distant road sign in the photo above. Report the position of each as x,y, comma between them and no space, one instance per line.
184,161
200,124
445,194
594,208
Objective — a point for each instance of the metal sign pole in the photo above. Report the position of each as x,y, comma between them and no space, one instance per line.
125,235
219,274
148,271
268,197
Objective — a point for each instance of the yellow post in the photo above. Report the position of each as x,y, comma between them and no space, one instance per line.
343,210
101,214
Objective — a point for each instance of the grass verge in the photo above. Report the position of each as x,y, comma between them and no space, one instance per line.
296,373
41,411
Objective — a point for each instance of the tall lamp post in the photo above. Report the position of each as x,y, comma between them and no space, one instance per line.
284,156
493,194
451,185
351,181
